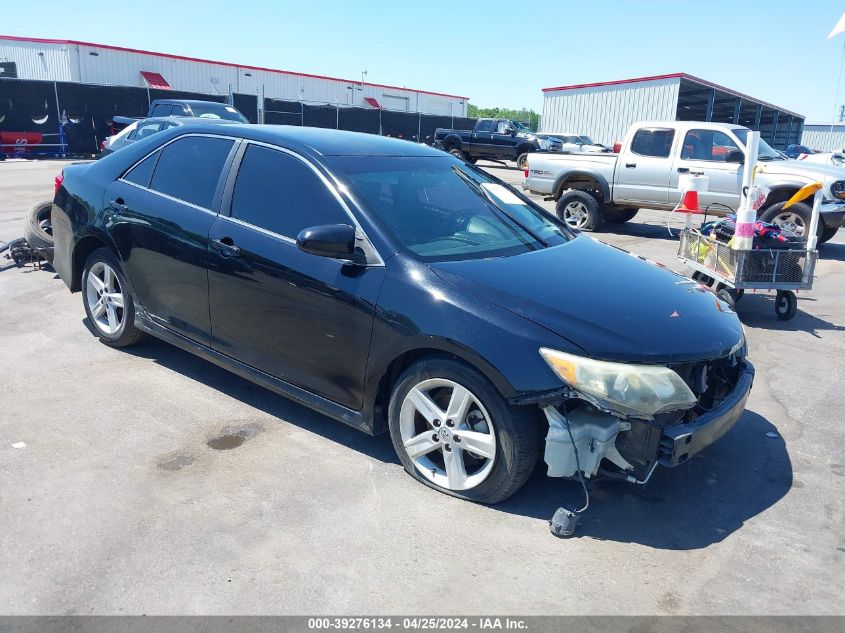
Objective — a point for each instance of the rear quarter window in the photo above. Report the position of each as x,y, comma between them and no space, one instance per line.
653,142
190,167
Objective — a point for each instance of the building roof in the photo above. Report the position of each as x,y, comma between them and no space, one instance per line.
686,76
39,40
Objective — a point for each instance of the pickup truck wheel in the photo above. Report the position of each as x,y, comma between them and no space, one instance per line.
579,210
522,161
460,154
795,219
619,216
454,432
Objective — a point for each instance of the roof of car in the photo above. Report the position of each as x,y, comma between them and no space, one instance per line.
186,120
326,141
190,101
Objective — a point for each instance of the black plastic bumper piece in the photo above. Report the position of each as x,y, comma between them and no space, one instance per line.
680,442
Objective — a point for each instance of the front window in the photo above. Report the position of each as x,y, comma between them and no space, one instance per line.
208,111
441,209
765,152
710,145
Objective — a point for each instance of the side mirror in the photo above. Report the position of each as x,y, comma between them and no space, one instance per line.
329,240
735,156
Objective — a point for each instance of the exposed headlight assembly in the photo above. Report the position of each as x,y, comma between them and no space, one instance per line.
837,189
543,143
636,390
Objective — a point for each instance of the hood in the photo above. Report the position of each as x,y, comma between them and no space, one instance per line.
612,304
802,168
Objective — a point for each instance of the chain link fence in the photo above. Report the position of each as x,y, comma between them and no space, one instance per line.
56,118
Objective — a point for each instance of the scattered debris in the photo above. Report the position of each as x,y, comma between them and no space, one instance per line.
19,445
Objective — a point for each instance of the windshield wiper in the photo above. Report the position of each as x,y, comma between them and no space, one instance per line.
479,190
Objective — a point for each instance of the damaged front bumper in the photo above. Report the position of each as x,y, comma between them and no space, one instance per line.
591,440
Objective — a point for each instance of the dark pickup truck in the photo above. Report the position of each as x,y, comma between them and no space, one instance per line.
495,139
183,108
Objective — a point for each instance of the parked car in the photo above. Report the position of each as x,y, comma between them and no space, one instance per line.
143,128
794,151
580,144
396,288
596,188
495,139
190,108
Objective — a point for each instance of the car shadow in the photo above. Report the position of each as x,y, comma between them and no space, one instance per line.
833,252
689,507
647,230
758,310
238,388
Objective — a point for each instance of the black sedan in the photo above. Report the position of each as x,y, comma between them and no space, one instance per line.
396,288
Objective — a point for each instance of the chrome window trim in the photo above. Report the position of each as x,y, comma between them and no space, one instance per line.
227,213
164,195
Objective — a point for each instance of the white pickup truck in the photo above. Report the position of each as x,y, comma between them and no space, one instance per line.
591,189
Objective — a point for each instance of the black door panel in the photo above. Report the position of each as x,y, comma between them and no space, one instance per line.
302,318
163,244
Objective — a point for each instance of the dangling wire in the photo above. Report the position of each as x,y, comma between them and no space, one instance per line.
577,462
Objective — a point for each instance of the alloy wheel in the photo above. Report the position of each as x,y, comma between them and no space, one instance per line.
790,221
448,434
575,214
105,298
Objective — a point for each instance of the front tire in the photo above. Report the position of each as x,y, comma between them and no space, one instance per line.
107,300
579,210
454,432
827,234
795,218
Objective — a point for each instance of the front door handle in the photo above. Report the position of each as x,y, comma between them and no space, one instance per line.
118,205
683,170
226,247
630,165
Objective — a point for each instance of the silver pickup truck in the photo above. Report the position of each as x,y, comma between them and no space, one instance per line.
591,189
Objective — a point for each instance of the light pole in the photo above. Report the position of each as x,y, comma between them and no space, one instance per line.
363,74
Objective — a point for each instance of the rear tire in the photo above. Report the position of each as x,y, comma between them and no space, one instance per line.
507,436
619,216
522,161
579,210
108,301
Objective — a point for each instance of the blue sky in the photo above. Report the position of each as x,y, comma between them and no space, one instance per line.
497,53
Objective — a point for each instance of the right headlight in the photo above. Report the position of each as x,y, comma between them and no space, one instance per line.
636,390
837,189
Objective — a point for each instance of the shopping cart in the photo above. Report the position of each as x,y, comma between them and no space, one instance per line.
734,272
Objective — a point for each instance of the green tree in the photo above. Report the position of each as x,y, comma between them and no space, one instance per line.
528,117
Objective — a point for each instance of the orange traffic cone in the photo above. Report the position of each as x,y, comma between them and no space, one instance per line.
689,203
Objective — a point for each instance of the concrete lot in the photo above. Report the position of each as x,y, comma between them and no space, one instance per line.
116,505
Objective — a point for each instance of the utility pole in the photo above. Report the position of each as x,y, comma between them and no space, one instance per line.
363,74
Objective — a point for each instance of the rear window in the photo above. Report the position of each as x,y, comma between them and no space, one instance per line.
653,142
485,126
189,168
141,173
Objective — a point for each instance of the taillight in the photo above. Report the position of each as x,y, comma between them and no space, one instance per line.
103,145
526,170
58,181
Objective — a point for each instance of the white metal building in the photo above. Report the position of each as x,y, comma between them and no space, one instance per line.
824,136
605,111
69,60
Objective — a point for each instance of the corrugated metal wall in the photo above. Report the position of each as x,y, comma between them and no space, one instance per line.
97,65
606,112
824,138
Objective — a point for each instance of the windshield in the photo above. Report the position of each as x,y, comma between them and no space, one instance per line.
218,112
441,209
520,126
765,153
586,140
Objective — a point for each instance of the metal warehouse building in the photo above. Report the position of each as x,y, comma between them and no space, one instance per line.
605,111
824,137
83,62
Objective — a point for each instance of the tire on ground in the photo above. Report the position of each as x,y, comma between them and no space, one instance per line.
517,429
799,208
37,236
592,209
619,216
827,234
128,334
522,160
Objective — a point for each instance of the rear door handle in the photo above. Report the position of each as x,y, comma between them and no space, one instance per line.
630,165
226,247
683,170
118,205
